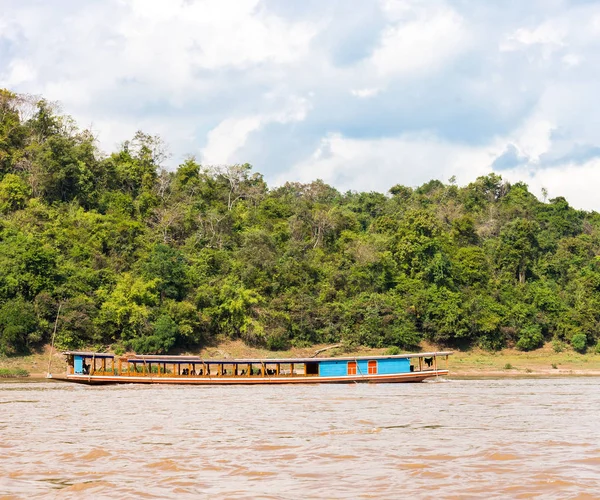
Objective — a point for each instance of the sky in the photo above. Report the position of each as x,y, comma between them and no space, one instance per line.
363,94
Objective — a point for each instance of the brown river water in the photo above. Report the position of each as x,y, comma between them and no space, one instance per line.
511,438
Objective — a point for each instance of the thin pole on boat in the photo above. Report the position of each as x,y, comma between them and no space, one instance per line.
149,372
48,375
93,367
358,368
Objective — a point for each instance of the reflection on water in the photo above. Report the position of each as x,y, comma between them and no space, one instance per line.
464,438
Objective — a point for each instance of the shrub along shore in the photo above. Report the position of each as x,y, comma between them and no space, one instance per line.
468,363
13,373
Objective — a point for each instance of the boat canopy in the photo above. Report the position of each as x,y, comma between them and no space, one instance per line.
85,354
198,359
171,360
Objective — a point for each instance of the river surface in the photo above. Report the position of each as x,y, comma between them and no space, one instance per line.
511,438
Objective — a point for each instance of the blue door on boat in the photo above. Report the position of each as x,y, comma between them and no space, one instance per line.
78,364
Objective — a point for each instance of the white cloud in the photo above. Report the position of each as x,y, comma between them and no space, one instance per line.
572,60
211,34
424,41
577,183
545,34
19,72
365,165
378,164
227,137
533,139
367,92
162,47
231,134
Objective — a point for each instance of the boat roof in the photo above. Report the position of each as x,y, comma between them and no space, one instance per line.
149,358
88,354
197,359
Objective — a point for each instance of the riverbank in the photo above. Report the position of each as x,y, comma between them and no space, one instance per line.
471,363
35,365
513,363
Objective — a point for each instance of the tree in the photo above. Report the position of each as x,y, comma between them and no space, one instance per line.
77,329
14,193
416,241
377,320
15,111
445,320
239,182
18,327
471,266
126,311
162,338
518,247
530,338
235,312
166,267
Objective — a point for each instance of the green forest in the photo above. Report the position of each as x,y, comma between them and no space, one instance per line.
143,258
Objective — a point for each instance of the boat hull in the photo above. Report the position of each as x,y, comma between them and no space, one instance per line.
165,379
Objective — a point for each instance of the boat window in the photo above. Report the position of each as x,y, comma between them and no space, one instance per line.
372,367
351,367
312,368
188,369
270,370
228,369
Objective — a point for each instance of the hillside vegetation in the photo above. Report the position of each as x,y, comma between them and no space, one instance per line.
142,258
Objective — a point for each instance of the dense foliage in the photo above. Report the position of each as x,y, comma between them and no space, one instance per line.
142,258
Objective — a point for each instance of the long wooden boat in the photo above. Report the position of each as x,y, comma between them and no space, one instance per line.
103,368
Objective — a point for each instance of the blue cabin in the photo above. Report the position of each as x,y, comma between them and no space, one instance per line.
381,366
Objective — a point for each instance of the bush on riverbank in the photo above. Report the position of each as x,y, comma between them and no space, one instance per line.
579,342
13,373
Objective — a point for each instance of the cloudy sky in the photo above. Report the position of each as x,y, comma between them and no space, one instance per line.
363,94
